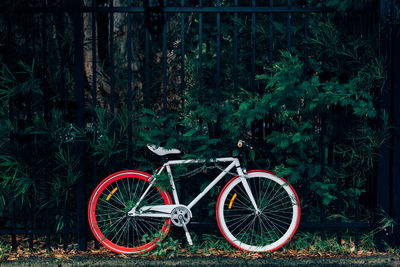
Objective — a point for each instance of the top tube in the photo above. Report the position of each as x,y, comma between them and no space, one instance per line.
193,161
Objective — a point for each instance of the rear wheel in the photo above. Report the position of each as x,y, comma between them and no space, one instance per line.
108,213
266,230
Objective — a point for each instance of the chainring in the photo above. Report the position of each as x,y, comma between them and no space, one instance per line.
180,211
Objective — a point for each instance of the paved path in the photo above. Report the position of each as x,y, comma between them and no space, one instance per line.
91,261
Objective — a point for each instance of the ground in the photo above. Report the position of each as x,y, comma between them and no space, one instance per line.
100,261
212,251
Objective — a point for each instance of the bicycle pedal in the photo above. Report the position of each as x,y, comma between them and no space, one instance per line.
188,237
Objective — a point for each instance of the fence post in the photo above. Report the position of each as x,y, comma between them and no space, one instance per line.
395,69
386,167
77,19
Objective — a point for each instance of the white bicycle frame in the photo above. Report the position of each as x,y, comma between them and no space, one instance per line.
165,210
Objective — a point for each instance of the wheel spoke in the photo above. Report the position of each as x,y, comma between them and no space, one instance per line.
239,223
112,206
123,232
255,230
278,200
280,216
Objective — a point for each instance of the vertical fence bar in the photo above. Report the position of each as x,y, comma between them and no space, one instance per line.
218,40
183,53
235,51
111,36
289,26
306,62
323,148
94,80
11,118
94,95
253,62
357,217
253,48
147,67
77,20
63,110
164,62
13,226
271,33
323,171
395,69
62,63
339,137
44,59
65,214
306,25
94,84
385,161
112,75
200,70
46,119
338,162
29,122
395,84
200,67
342,30
357,200
129,100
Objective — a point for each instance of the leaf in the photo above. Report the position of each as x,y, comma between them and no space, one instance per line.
190,133
284,143
235,153
252,154
296,138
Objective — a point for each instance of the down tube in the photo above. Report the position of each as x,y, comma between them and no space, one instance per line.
211,185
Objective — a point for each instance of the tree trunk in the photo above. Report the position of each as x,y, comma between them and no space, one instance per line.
102,78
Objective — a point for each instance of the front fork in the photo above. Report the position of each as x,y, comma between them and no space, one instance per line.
243,179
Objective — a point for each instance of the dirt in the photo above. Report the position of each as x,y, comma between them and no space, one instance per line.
89,261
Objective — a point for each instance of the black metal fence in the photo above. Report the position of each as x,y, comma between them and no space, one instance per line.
82,19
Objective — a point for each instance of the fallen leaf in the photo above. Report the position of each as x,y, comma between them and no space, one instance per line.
61,257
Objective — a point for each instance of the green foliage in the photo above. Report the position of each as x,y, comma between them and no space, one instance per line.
316,245
322,120
107,135
167,247
37,165
5,249
307,110
210,241
321,117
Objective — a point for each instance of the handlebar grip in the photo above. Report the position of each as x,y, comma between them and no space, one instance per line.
240,143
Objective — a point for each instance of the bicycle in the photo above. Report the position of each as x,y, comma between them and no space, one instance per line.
256,210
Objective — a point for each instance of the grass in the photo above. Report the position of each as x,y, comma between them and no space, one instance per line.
302,245
5,250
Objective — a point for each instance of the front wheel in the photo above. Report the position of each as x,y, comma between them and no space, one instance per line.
108,211
269,228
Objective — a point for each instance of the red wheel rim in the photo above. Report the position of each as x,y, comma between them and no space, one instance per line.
92,213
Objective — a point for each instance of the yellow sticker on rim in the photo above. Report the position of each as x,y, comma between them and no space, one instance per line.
112,192
233,198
